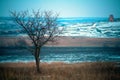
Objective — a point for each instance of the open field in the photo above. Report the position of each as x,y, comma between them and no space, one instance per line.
61,71
62,41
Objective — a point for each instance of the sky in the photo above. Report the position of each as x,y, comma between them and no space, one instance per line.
65,8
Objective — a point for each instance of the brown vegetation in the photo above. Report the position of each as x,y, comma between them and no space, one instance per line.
62,41
60,71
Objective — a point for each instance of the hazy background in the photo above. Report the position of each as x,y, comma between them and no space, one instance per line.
66,8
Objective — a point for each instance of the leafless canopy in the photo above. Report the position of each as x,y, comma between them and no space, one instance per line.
41,26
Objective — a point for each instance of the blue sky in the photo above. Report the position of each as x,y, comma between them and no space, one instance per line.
66,8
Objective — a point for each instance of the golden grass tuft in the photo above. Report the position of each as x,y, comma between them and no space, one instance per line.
60,71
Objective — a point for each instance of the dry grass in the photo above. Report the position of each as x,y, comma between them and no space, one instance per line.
60,71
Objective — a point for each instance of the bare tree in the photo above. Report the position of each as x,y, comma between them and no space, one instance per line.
40,26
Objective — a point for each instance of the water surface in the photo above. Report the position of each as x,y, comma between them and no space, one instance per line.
64,54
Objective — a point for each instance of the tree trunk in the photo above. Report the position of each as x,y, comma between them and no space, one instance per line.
37,52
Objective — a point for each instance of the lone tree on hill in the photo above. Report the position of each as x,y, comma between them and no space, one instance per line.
40,26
